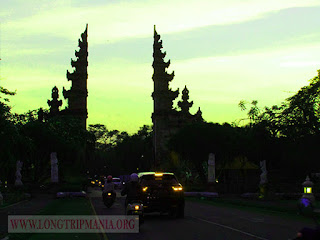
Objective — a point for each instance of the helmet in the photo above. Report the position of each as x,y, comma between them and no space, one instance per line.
109,178
134,177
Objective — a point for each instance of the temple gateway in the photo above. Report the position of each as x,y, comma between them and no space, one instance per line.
78,93
165,118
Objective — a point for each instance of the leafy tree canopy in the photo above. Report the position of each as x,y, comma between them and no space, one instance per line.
297,117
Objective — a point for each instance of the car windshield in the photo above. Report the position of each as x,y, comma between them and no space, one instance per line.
115,180
155,180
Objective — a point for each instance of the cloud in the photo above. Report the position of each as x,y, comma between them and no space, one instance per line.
223,51
229,79
300,64
136,18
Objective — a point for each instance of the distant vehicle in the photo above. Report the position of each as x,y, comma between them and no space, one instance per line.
161,192
117,183
98,181
102,181
94,181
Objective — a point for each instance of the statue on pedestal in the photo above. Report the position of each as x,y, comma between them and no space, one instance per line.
54,168
18,181
263,175
263,179
211,168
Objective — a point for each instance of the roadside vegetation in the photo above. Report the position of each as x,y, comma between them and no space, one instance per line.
286,135
31,139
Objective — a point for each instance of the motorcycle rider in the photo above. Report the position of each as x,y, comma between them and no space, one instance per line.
133,189
306,233
109,186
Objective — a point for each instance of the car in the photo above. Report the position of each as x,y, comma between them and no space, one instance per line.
117,183
162,192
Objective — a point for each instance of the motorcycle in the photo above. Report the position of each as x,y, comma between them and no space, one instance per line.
108,198
136,208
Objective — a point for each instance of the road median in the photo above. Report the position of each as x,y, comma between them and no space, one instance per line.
62,206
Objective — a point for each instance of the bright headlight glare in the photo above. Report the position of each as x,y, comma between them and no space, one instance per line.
136,207
177,188
144,189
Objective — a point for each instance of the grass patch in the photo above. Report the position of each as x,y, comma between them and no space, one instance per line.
13,197
67,206
71,187
4,205
286,208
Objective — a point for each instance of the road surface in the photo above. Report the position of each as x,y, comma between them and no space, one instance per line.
203,221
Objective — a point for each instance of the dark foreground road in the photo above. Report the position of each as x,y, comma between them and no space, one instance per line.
204,221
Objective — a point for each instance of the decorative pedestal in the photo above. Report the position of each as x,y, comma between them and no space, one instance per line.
263,191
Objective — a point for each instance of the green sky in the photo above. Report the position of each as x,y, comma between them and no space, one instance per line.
224,51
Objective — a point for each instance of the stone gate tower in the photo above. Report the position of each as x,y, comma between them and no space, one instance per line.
166,120
77,95
162,100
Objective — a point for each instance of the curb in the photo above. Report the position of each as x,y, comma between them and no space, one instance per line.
71,194
202,194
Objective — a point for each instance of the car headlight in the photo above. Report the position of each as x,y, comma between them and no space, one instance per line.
177,189
144,189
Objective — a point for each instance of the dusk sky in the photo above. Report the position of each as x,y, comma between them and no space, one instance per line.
224,51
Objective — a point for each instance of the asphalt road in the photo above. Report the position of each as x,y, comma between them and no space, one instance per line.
203,221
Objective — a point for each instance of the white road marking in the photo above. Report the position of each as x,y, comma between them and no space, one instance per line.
234,229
